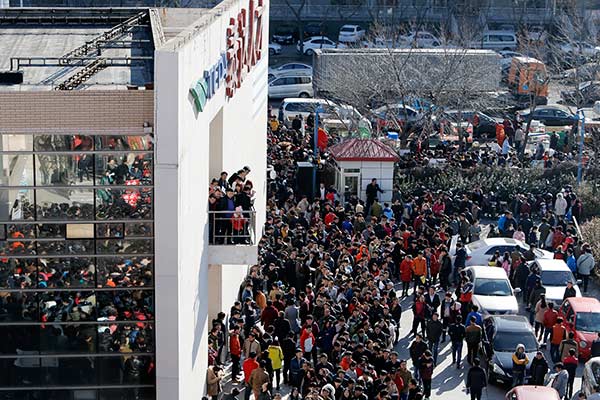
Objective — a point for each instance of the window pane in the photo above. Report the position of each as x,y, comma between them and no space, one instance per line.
109,230
66,272
124,204
23,338
125,272
52,231
17,170
18,307
125,338
67,306
63,143
17,142
121,143
66,204
64,169
117,246
124,394
139,229
80,231
74,338
18,273
16,248
124,169
16,205
60,247
125,305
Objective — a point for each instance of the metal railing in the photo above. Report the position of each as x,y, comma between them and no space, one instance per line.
232,228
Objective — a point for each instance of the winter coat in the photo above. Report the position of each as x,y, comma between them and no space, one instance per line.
258,377
276,356
560,383
476,379
585,264
213,382
538,370
434,330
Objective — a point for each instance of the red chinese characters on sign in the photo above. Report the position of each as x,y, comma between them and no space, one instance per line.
244,44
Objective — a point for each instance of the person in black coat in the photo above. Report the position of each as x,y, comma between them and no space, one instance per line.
476,380
538,369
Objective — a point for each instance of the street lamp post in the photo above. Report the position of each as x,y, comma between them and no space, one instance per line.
581,143
315,149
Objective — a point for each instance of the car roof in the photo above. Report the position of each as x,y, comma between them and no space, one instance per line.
583,304
317,37
511,323
350,26
551,264
497,241
536,392
484,271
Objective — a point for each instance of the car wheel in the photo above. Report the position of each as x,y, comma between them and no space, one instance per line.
309,52
304,95
271,52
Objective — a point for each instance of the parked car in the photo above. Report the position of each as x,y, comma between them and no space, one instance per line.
492,291
582,316
587,94
284,33
527,392
420,39
555,274
293,68
502,335
507,56
395,116
351,34
381,43
496,40
536,33
551,115
590,380
290,107
274,48
582,48
318,42
480,251
486,125
313,29
291,86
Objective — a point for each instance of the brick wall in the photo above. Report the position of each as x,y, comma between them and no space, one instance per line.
110,111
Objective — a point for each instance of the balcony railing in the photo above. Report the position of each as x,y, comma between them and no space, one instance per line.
232,228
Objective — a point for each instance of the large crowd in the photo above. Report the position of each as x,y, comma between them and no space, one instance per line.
321,311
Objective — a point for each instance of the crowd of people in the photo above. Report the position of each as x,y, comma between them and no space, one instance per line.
321,311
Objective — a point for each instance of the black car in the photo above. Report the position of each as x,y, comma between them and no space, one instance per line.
587,95
486,126
315,29
551,116
285,34
502,334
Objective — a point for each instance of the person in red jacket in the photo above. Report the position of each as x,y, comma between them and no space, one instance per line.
249,365
268,315
550,316
307,342
406,270
235,351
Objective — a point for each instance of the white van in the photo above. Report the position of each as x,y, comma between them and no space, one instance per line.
291,86
497,40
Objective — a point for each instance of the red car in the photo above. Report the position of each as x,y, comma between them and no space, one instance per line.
532,393
582,317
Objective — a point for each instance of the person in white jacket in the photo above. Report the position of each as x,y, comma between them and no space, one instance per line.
560,206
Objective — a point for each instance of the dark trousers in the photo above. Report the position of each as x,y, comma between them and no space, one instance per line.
457,351
554,355
586,279
405,287
472,348
427,388
286,370
277,373
235,365
415,325
476,394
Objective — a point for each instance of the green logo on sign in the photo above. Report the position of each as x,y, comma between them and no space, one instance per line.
199,93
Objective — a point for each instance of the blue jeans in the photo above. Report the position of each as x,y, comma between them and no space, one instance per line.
403,396
435,349
518,378
554,355
457,352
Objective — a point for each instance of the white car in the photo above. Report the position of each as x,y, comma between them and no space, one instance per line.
480,252
590,380
421,39
582,48
351,34
293,68
537,33
274,48
318,42
492,291
290,86
554,275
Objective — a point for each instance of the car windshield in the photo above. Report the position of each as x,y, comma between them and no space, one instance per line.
587,322
492,287
508,341
347,29
556,278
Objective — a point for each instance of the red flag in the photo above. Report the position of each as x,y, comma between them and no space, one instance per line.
322,139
